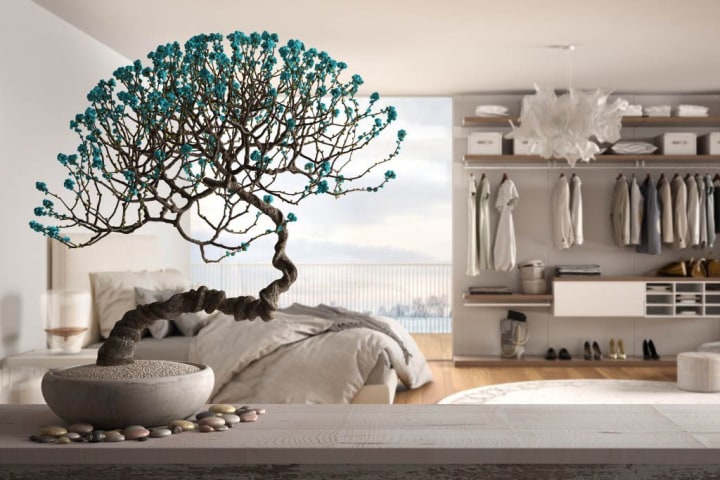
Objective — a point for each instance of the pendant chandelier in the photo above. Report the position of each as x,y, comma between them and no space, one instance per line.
570,125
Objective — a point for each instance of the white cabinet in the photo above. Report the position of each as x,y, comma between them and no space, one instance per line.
588,298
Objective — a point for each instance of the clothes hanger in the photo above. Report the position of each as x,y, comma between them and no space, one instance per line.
662,177
482,177
620,175
562,175
716,177
505,177
676,175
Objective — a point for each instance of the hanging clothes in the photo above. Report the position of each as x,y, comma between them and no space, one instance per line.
693,212
636,211
716,199
666,209
680,220
702,208
576,210
620,212
473,266
505,251
485,234
650,240
562,227
710,210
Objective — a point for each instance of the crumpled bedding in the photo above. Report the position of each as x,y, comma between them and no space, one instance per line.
305,354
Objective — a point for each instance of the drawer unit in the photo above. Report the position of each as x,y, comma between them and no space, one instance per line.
599,299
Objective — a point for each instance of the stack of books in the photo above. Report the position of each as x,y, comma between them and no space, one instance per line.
489,291
577,270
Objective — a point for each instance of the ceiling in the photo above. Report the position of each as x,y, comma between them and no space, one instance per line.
430,47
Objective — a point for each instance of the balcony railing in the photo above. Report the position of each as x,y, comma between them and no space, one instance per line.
417,295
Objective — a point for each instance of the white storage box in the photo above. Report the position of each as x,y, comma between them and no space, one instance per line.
709,144
521,147
485,143
677,143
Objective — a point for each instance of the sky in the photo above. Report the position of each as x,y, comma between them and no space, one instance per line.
408,221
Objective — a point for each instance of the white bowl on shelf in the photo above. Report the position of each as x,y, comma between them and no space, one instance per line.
535,286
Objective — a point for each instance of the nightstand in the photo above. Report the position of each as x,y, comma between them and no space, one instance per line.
45,359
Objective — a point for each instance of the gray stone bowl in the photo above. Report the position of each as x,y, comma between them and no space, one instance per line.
120,403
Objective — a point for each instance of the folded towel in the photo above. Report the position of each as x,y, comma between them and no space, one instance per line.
691,111
658,111
633,111
491,111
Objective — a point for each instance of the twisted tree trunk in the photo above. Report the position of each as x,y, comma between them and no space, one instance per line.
119,348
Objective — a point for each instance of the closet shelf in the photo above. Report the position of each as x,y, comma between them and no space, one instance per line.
607,158
512,300
627,121
538,361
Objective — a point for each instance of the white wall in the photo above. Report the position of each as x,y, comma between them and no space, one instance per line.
476,330
48,66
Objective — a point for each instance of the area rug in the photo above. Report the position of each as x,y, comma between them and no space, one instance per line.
582,392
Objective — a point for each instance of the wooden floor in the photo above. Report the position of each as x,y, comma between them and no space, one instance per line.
448,379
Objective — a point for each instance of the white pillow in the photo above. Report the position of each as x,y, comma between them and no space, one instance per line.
114,292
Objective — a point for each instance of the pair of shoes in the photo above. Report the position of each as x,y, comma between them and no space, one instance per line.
595,354
563,355
649,352
617,352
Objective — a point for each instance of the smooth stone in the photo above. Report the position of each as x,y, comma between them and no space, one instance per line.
260,411
248,417
160,432
205,414
136,432
221,428
46,439
142,439
81,428
63,440
114,437
185,424
222,408
243,410
34,438
206,428
97,436
231,418
53,431
72,435
175,429
212,421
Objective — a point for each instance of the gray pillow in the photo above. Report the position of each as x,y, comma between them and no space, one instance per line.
189,324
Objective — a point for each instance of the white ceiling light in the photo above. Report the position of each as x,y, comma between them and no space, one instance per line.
570,125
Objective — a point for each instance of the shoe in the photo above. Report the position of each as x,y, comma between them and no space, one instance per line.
564,354
550,355
597,354
621,349
646,350
653,353
588,353
612,353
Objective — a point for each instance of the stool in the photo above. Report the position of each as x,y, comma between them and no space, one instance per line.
698,371
709,347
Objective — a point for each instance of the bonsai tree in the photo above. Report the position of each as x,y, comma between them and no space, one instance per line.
226,128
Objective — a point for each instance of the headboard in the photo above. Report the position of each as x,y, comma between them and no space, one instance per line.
70,268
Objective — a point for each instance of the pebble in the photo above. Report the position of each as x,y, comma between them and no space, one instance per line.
175,429
142,439
222,408
260,411
160,432
202,415
53,431
81,428
231,419
243,410
221,428
185,424
97,436
136,432
206,428
62,440
212,421
248,417
45,439
72,436
114,437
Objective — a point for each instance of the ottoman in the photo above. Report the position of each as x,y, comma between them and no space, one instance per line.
698,371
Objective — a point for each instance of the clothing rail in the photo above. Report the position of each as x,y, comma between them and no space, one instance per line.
597,166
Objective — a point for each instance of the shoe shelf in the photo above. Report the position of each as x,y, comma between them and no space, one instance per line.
538,361
685,299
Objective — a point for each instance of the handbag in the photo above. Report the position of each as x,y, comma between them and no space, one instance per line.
696,268
713,267
674,269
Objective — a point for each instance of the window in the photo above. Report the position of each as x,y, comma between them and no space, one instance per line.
386,252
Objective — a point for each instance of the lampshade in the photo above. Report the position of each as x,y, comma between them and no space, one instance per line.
569,126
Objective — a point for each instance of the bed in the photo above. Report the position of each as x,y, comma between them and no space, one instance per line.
299,357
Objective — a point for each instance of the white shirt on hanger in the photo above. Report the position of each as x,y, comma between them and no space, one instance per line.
636,211
505,251
702,207
472,253
680,220
562,227
666,206
693,212
576,210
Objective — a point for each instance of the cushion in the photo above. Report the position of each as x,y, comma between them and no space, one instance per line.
189,324
114,292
